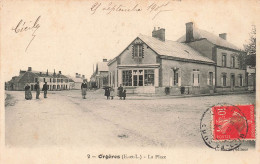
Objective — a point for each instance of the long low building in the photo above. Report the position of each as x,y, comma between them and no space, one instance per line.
55,81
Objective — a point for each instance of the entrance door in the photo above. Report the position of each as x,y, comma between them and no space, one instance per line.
138,80
232,82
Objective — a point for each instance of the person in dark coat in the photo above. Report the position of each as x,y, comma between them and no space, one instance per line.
124,94
84,87
107,92
28,94
37,89
120,91
44,89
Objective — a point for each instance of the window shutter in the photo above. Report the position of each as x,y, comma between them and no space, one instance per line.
221,81
208,79
242,81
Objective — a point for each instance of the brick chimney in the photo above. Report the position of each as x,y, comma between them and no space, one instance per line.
40,73
223,36
83,76
60,72
47,73
104,60
159,34
29,68
189,32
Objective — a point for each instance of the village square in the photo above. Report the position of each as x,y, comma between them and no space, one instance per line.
151,94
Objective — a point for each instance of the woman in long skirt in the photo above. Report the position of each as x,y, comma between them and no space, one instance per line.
107,92
84,87
28,94
112,93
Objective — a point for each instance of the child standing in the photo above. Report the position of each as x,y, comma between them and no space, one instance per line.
124,94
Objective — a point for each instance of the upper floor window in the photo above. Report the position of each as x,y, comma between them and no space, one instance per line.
50,79
224,60
233,62
36,79
43,79
138,50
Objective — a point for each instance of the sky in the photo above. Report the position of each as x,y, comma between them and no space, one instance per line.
72,36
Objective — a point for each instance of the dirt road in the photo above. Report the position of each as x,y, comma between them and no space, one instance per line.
64,118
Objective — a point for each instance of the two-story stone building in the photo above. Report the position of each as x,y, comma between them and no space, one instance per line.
199,62
230,75
152,64
55,81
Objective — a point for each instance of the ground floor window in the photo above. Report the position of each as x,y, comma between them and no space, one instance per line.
175,77
224,80
149,77
127,78
210,78
240,80
138,77
196,78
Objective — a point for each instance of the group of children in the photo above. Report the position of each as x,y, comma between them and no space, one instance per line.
110,93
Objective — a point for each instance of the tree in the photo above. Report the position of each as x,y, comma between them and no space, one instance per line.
250,48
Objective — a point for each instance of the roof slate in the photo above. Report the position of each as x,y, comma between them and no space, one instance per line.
173,49
202,34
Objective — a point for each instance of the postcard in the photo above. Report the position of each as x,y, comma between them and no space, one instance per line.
98,81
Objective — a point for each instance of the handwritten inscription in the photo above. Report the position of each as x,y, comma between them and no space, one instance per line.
108,8
24,26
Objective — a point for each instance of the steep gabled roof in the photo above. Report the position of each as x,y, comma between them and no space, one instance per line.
173,49
216,40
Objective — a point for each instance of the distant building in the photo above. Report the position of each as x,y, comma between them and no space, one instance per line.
78,80
55,81
99,77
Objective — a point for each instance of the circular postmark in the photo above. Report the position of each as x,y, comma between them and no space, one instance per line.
223,127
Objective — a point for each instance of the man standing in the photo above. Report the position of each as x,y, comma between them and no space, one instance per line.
84,87
37,89
120,91
45,88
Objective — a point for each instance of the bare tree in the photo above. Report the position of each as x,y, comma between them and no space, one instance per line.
250,48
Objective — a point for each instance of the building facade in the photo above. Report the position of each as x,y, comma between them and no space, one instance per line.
197,63
158,66
99,78
55,81
230,74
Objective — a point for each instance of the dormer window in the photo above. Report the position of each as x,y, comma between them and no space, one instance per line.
138,51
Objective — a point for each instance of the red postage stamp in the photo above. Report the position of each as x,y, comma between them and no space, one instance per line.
234,122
